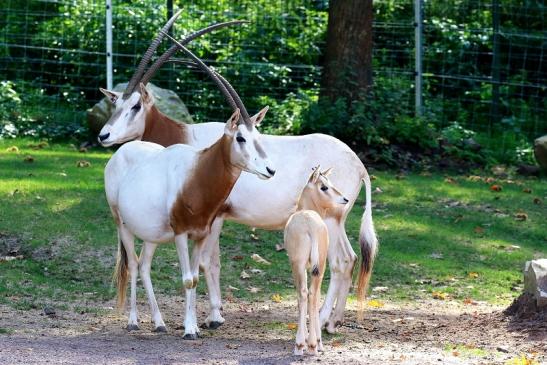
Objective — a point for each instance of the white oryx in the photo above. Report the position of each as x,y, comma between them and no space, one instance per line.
307,243
265,205
173,194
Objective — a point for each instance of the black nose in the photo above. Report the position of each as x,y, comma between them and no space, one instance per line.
102,137
272,172
346,200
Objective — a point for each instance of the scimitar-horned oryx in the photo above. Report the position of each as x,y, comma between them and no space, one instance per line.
267,205
173,194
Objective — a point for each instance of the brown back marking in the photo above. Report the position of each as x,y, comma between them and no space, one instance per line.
161,129
203,195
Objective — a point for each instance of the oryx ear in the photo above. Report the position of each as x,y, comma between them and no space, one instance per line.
111,95
315,174
231,124
258,117
327,172
146,96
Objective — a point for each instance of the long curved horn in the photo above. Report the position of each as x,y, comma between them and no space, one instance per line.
148,55
171,51
207,70
230,88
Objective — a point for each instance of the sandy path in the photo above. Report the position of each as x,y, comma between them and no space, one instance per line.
426,332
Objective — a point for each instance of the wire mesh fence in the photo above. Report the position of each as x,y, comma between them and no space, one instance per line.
484,64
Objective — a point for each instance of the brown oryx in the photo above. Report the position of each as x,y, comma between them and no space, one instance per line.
307,242
173,194
267,204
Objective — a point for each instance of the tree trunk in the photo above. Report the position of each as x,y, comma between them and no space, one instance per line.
347,68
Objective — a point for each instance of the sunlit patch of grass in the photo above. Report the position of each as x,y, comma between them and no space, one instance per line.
429,240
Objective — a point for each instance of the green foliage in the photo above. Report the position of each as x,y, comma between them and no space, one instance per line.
59,214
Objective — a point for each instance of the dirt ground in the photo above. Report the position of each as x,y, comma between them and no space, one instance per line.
422,332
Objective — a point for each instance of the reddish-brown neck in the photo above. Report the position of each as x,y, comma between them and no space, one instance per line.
160,129
206,189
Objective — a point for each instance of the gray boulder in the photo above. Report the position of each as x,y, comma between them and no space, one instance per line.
540,151
166,100
535,281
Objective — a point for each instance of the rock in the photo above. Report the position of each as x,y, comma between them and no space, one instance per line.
535,281
528,170
49,311
471,145
166,100
540,151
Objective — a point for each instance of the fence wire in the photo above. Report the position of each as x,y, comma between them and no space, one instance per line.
52,55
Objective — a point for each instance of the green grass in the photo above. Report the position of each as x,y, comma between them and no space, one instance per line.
58,213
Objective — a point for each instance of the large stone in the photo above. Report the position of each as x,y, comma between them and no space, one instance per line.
540,151
535,281
166,100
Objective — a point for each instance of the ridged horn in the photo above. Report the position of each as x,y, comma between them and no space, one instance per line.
173,49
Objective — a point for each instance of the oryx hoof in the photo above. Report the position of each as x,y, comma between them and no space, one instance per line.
132,327
160,329
330,328
213,325
191,336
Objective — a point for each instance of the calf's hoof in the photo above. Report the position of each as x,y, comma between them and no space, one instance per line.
299,350
312,350
160,329
191,336
132,327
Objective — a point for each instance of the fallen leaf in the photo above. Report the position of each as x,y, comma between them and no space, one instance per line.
458,219
527,190
474,178
468,301
439,295
232,346
373,177
522,360
377,191
450,180
83,150
473,275
496,188
254,237
521,216
279,247
237,258
292,326
255,271
257,258
478,230
380,289
537,201
436,256
455,353
29,159
83,163
375,303
277,298
232,288
253,289
336,343
244,275
13,149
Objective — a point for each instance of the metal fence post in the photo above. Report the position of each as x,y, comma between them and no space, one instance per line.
109,80
418,25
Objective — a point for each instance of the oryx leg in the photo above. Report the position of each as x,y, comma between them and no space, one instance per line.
128,240
350,258
342,259
147,254
301,284
210,264
190,325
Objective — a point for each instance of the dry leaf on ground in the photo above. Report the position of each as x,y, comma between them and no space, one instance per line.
277,298
473,275
257,258
496,188
375,303
29,159
14,149
83,163
521,216
279,247
253,289
244,275
291,326
439,295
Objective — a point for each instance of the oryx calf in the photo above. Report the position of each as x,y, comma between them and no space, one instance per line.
307,244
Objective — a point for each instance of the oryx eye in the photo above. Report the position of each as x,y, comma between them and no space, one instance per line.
240,139
324,188
136,107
